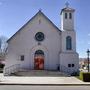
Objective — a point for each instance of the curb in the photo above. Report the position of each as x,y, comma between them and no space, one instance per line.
45,84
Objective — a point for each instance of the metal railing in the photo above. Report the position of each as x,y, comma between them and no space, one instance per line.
12,69
16,67
66,70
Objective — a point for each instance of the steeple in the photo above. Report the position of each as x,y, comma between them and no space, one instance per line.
67,18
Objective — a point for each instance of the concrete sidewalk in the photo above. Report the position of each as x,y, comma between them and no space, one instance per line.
14,80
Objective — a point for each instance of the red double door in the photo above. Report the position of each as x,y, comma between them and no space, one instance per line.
39,63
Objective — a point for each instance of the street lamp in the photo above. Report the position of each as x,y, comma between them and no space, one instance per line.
88,51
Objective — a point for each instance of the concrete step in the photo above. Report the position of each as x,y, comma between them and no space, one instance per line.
39,73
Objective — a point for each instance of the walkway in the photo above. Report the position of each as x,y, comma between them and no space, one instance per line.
40,80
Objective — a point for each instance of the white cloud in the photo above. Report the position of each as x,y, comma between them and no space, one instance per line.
89,34
1,3
89,43
80,42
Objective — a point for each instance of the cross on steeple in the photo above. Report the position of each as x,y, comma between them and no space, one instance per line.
67,4
40,9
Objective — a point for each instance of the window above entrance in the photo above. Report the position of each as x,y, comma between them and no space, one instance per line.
39,52
39,36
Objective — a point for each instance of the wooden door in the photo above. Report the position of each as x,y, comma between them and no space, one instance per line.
39,63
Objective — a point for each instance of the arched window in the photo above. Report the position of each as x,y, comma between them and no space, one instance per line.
68,43
39,52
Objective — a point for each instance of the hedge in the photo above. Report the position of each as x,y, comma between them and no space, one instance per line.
85,76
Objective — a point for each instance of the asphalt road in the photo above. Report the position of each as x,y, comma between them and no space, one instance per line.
20,87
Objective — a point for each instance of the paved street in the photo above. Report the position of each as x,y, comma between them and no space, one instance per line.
5,87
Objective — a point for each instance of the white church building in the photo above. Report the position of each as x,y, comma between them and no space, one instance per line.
41,45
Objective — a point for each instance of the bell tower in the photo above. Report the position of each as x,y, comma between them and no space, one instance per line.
68,56
67,18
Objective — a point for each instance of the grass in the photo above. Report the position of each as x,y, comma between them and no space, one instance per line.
78,77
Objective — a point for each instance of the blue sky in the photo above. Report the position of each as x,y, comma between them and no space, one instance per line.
15,13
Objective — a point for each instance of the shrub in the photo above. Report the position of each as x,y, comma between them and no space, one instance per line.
81,76
2,65
85,76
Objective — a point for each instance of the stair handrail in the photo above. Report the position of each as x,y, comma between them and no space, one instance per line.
66,70
12,69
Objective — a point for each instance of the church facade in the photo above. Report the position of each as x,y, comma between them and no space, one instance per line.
40,45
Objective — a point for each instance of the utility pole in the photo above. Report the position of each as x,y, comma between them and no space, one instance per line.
88,52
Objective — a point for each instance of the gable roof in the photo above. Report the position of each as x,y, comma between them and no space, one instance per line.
39,12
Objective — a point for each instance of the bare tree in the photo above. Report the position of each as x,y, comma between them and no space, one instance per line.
3,44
